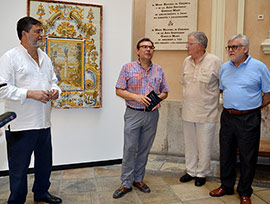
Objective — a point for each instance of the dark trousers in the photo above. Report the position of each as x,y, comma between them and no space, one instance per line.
20,146
239,131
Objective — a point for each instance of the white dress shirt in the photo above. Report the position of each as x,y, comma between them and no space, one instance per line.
22,73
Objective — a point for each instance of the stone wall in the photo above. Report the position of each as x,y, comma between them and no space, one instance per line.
169,138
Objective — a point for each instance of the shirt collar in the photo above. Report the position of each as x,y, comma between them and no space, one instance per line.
39,51
25,50
247,60
244,63
204,55
150,67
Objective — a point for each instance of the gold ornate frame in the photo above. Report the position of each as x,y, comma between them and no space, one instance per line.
73,40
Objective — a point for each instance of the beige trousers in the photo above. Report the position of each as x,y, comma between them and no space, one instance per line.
198,143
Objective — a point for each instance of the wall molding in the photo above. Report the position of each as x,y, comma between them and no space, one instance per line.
217,32
240,16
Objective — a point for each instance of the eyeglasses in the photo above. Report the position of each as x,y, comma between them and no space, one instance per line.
147,46
233,47
190,44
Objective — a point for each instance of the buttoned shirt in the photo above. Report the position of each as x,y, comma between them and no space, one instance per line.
135,79
200,90
243,85
22,73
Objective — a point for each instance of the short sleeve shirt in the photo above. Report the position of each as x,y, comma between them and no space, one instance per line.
243,85
135,79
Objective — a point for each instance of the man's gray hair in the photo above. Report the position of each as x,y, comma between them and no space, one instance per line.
244,39
200,37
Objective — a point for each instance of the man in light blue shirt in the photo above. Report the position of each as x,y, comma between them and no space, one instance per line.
245,84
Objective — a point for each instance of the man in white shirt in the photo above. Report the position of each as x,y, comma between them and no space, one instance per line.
31,85
200,79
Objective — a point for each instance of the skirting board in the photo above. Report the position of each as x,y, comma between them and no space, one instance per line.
73,166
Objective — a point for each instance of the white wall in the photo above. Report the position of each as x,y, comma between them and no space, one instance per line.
84,135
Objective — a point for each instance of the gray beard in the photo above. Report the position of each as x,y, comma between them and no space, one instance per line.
36,44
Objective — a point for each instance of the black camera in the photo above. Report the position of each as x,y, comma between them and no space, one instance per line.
3,84
7,117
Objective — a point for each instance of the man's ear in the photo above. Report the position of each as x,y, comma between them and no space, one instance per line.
246,49
137,52
23,33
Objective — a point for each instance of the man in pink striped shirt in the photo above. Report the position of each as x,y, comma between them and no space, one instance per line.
137,79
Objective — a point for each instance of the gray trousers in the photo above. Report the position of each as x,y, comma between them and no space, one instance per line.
139,133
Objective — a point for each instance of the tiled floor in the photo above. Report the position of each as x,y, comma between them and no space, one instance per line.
96,185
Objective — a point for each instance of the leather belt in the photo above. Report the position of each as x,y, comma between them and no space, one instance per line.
138,109
239,112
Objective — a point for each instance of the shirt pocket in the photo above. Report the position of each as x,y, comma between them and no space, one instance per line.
204,76
20,70
154,83
23,75
187,77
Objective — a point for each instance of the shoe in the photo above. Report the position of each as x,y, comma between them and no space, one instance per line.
199,181
245,200
220,192
49,199
186,178
121,191
142,187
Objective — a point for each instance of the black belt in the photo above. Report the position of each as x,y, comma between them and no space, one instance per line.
238,112
139,109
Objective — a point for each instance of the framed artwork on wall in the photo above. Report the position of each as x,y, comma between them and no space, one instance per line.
73,41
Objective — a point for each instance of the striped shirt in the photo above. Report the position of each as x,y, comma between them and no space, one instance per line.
135,79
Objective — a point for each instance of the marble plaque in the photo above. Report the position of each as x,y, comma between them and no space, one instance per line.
168,22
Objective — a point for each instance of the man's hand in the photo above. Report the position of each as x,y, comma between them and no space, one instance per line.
43,96
1,132
144,100
54,94
39,95
157,106
265,99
